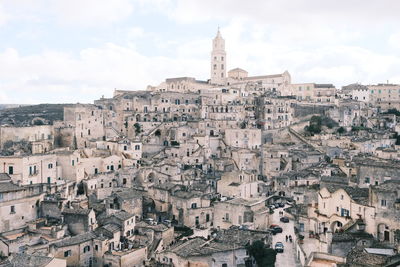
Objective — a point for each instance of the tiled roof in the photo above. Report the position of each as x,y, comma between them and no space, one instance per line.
157,227
9,187
4,177
123,215
76,211
27,260
70,241
128,194
359,257
111,227
359,195
227,240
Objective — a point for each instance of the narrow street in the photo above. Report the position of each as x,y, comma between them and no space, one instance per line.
287,258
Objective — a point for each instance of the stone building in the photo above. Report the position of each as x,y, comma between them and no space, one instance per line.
32,169
386,200
239,211
385,96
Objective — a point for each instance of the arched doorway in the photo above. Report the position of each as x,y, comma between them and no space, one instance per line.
383,232
336,226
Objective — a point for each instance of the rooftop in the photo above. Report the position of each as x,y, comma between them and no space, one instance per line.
27,260
76,211
75,240
123,215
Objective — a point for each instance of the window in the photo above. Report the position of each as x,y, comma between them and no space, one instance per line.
12,209
48,180
194,205
125,148
96,247
341,197
367,180
344,213
224,265
137,147
86,249
383,202
67,253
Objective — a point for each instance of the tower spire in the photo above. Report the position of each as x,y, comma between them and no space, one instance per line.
218,60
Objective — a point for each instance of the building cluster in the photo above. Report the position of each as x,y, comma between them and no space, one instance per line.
185,173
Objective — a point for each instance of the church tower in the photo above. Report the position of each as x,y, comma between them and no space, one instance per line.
218,60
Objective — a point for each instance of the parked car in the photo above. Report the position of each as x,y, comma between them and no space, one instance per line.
279,247
276,205
276,230
284,219
271,207
281,205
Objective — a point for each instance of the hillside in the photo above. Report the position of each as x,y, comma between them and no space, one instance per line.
24,115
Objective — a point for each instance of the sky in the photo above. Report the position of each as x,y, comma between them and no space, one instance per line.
69,51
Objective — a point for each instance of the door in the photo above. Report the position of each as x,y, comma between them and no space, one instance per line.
386,236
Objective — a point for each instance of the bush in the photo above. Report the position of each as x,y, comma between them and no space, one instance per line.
340,130
316,123
175,143
138,128
393,111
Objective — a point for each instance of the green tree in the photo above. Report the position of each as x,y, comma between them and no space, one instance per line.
393,111
340,130
138,128
264,256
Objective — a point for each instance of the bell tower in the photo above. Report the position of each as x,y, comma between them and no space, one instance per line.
218,60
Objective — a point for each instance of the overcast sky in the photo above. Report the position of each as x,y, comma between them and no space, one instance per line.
57,51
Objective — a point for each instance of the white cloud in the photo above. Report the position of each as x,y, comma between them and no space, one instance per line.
288,11
60,77
316,41
3,16
91,12
394,40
